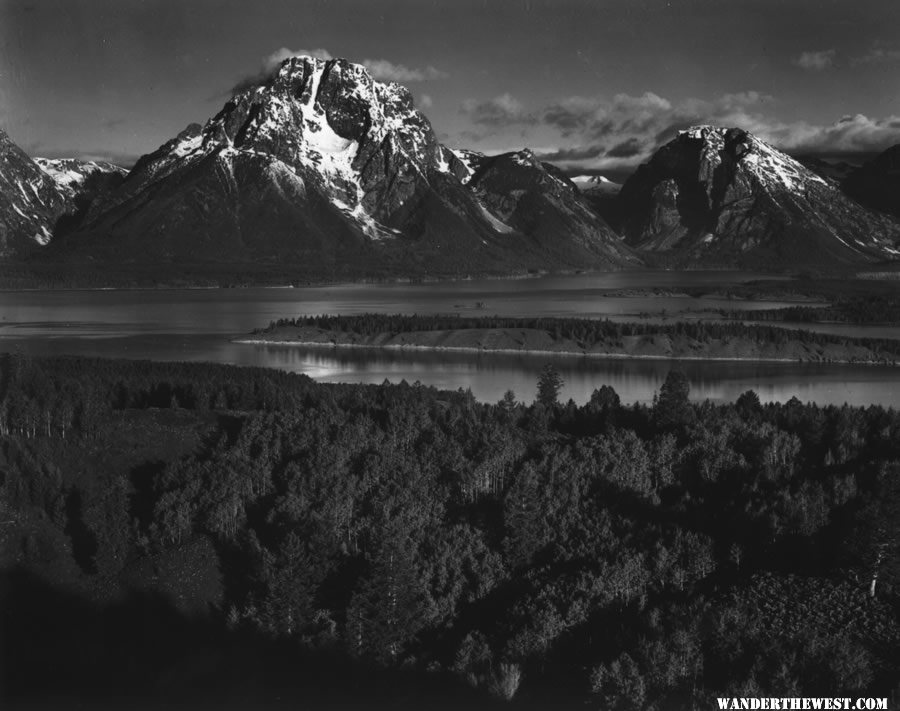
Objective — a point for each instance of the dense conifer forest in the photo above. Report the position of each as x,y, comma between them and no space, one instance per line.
728,339
853,308
584,331
216,534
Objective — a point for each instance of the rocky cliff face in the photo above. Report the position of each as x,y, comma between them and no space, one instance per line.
30,201
877,184
722,197
324,167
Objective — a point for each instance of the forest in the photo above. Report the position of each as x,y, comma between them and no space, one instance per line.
172,529
851,308
692,338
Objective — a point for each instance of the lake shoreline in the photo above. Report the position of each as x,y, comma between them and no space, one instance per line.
414,342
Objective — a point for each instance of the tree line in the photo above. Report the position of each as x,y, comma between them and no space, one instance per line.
584,332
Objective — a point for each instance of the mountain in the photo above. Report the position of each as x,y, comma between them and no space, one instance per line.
471,161
722,197
82,183
73,176
877,183
30,201
588,183
323,169
602,194
537,199
836,171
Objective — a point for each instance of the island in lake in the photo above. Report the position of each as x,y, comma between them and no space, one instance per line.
697,340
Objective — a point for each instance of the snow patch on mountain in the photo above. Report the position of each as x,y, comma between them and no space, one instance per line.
470,160
70,173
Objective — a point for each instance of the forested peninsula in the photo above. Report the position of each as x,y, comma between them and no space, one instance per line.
686,340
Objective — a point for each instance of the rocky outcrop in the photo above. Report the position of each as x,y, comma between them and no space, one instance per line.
722,197
30,202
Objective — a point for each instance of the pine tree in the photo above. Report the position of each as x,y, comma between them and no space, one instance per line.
387,609
671,407
550,384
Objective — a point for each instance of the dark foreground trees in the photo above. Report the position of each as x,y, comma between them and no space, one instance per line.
629,556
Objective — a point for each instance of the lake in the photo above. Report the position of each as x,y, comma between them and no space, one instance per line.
199,325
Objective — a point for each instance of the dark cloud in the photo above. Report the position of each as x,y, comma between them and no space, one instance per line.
635,126
572,154
503,110
626,149
570,115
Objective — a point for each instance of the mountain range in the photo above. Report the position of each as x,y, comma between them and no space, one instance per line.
322,172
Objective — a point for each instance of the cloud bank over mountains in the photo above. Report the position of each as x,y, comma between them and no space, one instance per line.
618,132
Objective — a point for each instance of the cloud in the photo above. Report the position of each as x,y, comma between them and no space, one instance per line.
380,69
503,110
856,133
816,61
601,117
644,121
571,154
635,126
877,55
626,149
112,123
274,60
383,70
270,64
425,101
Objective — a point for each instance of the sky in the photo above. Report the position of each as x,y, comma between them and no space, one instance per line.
593,85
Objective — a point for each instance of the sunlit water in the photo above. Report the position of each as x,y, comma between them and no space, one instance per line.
200,324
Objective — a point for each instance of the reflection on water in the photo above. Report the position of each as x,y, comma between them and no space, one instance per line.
197,325
491,375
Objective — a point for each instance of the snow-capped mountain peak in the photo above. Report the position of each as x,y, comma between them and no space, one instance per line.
70,174
326,122
30,201
713,193
763,160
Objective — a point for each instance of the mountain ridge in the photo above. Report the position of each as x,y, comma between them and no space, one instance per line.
721,196
325,171
323,166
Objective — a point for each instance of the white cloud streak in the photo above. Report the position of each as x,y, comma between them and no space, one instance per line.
816,61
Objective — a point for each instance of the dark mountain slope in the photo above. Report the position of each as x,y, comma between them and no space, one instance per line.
722,197
30,201
877,183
